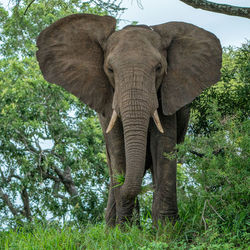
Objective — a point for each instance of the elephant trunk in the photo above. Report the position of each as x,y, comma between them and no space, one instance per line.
135,112
135,101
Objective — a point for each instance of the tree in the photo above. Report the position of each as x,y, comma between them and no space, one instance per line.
214,159
27,19
219,8
52,156
228,98
215,7
213,188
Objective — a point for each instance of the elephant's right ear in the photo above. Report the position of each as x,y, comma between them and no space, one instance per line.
70,54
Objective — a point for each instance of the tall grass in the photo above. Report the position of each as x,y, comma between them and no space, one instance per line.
98,236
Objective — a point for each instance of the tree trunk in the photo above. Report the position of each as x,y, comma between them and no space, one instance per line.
219,8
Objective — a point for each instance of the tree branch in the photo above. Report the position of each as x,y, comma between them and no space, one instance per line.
14,176
46,175
2,175
26,204
202,216
6,180
219,8
26,143
28,7
56,194
215,211
66,179
196,153
7,201
201,155
44,172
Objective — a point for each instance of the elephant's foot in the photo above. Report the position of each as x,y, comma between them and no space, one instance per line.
128,212
125,215
136,214
110,211
162,220
164,210
110,215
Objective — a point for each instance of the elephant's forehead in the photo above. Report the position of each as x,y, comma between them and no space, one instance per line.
134,38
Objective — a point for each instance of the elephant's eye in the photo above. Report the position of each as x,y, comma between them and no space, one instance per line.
158,67
110,70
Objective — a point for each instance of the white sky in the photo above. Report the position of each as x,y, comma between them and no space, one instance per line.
229,29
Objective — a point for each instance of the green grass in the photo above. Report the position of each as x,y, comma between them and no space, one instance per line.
100,237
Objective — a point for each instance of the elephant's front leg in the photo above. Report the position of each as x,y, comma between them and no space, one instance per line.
110,213
164,170
117,167
118,210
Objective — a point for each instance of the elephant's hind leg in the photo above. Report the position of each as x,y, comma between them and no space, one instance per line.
164,171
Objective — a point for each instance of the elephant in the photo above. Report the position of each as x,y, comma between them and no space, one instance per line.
140,80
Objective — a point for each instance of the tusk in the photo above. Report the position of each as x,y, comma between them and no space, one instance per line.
112,122
157,121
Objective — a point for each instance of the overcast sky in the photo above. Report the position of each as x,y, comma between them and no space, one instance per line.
229,29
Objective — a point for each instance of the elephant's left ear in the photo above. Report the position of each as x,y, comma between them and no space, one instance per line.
194,62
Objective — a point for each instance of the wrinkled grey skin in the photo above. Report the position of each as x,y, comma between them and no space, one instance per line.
133,73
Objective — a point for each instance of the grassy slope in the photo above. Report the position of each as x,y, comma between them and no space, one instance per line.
100,237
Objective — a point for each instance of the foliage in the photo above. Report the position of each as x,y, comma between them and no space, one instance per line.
22,24
217,179
37,236
213,190
230,97
52,154
45,132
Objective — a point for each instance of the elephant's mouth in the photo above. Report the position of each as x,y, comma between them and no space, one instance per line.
155,117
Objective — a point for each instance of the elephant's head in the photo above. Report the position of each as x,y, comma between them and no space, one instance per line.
135,71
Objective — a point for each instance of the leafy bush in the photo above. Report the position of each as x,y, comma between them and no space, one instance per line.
230,96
